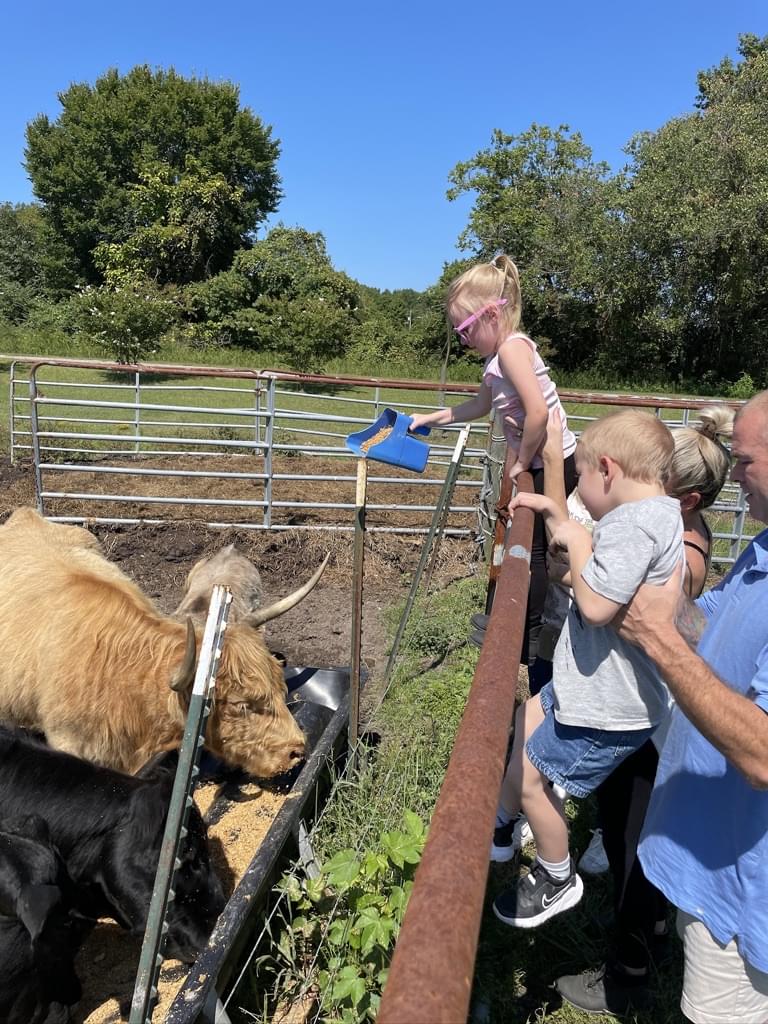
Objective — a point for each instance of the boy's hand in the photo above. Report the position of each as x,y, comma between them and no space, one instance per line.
538,502
563,534
516,470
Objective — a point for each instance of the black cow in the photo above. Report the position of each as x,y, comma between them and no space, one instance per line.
38,936
108,828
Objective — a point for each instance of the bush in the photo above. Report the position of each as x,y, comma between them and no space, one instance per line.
127,322
744,387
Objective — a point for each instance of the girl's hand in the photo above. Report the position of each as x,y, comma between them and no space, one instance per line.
420,420
516,470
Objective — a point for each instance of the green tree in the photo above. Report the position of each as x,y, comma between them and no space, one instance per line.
542,199
696,217
129,158
280,296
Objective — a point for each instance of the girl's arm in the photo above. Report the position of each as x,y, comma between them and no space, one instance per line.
472,409
515,363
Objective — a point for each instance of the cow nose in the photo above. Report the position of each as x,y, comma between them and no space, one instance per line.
296,755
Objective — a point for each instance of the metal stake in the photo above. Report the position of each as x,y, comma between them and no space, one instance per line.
434,535
357,603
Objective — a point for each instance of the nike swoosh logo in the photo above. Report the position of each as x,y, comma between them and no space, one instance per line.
548,902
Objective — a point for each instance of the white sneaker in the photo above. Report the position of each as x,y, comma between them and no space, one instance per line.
509,838
594,861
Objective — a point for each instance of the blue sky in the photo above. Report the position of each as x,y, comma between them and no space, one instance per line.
374,103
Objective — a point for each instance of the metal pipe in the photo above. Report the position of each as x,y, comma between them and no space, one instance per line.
358,562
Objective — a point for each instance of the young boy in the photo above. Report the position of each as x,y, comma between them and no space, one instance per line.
605,698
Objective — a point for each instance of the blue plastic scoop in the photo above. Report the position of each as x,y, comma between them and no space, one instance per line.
396,445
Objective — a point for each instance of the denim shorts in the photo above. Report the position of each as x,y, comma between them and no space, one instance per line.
574,757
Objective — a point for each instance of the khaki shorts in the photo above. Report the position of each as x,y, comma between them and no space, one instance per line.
719,987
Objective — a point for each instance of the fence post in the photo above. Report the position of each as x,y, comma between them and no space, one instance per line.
269,437
145,991
36,441
12,408
137,410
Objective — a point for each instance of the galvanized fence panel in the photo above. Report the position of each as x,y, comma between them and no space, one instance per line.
86,421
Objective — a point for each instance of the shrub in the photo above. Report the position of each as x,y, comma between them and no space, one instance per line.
127,322
744,387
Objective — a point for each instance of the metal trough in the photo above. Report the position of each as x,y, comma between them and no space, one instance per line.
317,699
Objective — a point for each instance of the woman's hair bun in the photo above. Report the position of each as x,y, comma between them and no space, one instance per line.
716,422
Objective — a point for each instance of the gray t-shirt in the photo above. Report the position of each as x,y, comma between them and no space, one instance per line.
600,681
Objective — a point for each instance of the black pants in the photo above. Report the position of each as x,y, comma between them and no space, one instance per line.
537,591
623,801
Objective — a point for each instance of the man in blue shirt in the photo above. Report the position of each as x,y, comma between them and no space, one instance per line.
705,841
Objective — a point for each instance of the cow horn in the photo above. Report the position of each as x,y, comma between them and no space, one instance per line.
262,615
185,673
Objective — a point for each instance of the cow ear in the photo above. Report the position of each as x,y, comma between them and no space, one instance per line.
34,906
161,764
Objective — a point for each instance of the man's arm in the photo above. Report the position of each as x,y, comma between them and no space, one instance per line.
733,724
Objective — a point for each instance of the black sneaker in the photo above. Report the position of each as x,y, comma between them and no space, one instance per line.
537,897
480,620
607,989
509,838
477,637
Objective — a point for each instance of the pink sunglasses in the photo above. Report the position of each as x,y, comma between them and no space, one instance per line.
461,330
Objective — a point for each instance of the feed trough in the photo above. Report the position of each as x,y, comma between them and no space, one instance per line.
389,440
317,699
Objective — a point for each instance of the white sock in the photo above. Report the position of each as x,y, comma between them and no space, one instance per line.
558,869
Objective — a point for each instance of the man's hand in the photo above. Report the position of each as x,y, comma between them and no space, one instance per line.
651,613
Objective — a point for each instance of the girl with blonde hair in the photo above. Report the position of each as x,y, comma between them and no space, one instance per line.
484,306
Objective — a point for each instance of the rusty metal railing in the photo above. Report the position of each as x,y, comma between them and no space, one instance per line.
430,979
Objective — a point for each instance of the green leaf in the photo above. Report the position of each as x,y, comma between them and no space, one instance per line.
342,869
413,824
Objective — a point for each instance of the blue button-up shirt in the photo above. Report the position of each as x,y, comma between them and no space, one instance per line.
705,841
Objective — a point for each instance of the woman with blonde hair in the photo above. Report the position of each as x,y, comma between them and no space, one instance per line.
699,469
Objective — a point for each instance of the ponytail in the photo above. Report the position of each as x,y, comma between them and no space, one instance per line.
484,282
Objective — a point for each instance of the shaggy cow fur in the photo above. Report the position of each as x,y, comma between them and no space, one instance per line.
88,659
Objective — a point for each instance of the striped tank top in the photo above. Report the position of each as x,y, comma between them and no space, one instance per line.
506,401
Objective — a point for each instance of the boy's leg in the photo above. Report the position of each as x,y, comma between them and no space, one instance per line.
545,814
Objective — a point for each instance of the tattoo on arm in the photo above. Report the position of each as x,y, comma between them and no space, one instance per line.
690,622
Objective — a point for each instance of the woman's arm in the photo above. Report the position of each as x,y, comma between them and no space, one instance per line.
515,363
472,409
552,457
